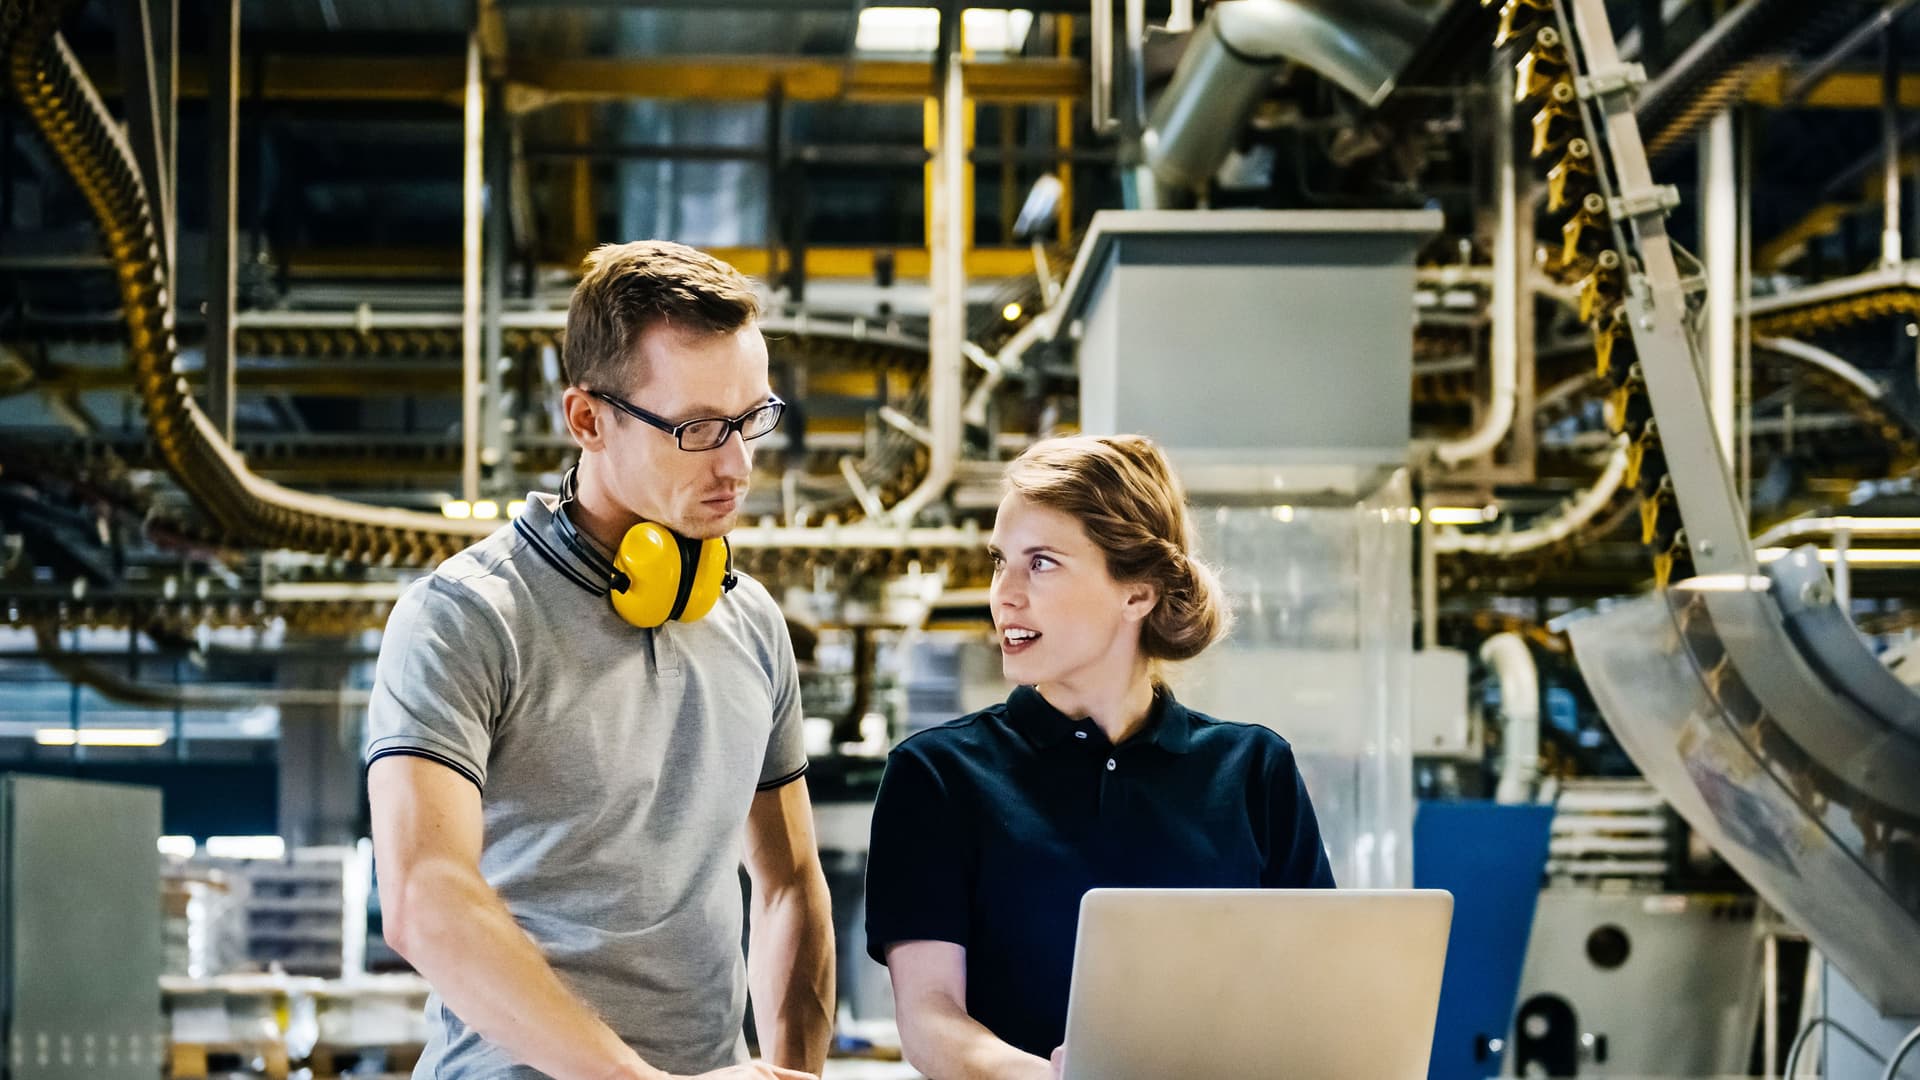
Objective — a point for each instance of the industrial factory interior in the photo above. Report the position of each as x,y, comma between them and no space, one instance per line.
1178,539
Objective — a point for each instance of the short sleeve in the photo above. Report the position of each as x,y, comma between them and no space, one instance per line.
919,861
1298,859
441,681
786,758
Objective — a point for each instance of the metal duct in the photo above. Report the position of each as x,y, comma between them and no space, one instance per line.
1359,45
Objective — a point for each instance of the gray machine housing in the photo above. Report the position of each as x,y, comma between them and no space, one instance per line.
80,934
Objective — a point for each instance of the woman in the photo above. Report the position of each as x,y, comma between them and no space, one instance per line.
989,829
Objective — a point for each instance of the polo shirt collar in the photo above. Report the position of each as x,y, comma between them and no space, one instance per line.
536,523
1169,724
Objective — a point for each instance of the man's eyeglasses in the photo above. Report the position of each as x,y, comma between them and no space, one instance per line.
706,432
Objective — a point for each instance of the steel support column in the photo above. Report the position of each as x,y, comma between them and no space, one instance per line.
223,108
149,46
496,239
472,206
1720,235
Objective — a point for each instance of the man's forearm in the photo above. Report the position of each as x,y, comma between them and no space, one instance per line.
460,936
791,973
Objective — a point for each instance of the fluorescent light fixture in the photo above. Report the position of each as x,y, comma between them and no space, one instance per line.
898,30
102,736
917,30
1011,312
323,591
246,847
1463,515
1725,583
516,508
457,509
996,30
1855,556
1283,514
486,510
1874,556
180,847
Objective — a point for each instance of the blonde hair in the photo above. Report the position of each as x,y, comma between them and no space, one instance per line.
1123,493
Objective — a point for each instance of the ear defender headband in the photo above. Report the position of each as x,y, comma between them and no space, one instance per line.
656,575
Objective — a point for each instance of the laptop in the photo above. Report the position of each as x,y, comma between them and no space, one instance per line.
1310,984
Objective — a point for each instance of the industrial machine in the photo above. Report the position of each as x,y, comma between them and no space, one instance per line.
1300,497
1740,688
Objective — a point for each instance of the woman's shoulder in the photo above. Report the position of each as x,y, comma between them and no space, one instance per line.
963,736
1237,735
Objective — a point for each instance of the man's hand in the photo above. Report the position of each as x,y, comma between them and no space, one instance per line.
1059,1062
755,1070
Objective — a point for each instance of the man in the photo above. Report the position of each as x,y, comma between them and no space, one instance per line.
562,800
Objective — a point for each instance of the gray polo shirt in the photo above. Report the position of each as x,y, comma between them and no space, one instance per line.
616,766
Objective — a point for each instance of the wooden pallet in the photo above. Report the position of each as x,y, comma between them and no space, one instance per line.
194,1061
334,1059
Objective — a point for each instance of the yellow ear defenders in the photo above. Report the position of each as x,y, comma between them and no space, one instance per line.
656,574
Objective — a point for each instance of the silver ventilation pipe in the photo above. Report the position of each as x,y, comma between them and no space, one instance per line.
1359,45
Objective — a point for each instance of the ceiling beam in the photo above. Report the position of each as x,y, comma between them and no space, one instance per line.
1840,90
1156,9
857,263
538,82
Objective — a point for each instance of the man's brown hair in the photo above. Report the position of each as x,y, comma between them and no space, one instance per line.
627,289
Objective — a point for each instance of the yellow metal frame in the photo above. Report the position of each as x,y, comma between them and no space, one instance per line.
1063,128
1841,90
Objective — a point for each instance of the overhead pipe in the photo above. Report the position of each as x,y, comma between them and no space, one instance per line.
116,687
1576,515
1509,266
1871,528
1514,669
947,322
999,364
1825,361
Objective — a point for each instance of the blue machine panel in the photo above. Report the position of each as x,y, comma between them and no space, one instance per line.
1491,858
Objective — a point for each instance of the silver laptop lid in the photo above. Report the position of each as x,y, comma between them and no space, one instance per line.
1304,983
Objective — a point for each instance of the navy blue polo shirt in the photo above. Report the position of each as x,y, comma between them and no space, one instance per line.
988,830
